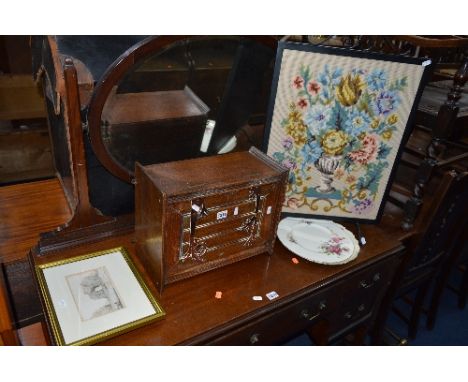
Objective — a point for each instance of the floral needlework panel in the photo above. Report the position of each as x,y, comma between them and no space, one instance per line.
337,124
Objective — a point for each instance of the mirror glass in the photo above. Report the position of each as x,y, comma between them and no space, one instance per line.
189,100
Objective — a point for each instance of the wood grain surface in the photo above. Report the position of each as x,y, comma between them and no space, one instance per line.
27,210
194,315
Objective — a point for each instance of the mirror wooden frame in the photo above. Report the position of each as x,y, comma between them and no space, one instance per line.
114,74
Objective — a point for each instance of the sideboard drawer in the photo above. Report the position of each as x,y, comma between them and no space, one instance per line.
339,307
360,293
274,328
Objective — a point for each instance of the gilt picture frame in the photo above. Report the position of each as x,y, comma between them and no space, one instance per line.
95,296
338,119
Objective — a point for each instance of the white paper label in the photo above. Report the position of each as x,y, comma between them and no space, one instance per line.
236,211
272,295
269,210
221,215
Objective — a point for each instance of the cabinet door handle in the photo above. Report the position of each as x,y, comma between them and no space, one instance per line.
254,338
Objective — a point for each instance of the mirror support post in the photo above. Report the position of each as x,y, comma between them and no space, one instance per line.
87,223
85,214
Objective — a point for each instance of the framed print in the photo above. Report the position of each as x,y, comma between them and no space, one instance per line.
95,296
338,119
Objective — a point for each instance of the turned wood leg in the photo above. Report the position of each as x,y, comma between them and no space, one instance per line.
417,308
414,203
436,296
442,280
445,121
377,332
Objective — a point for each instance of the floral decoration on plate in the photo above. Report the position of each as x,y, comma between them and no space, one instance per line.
334,246
319,241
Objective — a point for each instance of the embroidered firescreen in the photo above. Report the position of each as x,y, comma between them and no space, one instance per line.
337,120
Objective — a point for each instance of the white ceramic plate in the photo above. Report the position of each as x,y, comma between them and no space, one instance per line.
319,241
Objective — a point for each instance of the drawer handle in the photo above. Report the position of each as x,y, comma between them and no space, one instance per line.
254,338
365,285
305,314
196,250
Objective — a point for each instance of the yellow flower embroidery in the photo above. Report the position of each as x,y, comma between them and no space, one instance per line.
295,126
297,131
349,90
292,128
387,134
299,140
392,119
334,142
375,123
294,116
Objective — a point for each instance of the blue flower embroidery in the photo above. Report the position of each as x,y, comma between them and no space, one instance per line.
311,151
356,123
377,80
336,76
316,119
325,78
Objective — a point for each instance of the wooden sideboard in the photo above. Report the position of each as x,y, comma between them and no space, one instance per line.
325,300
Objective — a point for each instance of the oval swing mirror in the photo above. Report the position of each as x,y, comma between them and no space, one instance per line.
155,102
